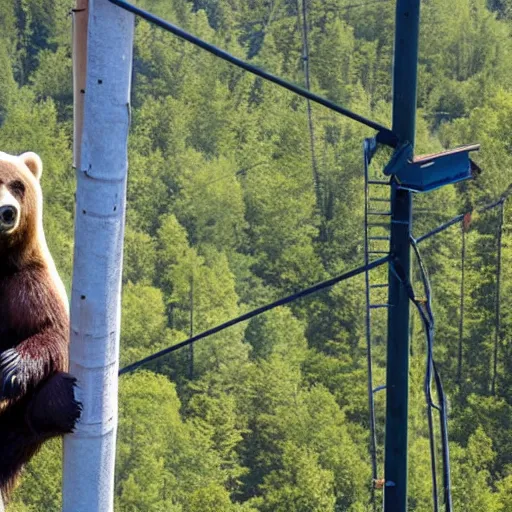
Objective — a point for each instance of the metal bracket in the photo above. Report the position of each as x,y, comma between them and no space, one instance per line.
429,172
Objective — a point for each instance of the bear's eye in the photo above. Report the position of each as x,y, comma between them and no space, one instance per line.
17,188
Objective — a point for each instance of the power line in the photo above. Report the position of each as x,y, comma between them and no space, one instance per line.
457,219
240,172
290,298
255,312
428,319
385,135
307,81
460,219
424,307
365,4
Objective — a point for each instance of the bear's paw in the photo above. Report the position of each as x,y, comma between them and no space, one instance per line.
54,408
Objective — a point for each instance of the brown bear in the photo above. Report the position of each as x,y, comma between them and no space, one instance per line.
37,399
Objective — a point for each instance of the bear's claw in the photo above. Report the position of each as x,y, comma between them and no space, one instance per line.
10,374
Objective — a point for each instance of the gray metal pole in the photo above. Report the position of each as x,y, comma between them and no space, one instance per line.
397,382
101,168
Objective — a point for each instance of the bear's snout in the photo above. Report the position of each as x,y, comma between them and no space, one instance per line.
8,216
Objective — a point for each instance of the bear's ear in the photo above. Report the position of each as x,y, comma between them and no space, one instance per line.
33,162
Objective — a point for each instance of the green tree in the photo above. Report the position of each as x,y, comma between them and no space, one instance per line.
277,332
161,460
139,259
301,485
144,327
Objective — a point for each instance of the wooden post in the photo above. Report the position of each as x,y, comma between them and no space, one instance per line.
103,39
80,18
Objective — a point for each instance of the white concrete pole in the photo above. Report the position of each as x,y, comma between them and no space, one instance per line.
101,166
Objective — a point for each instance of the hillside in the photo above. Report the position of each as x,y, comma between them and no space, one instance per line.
229,208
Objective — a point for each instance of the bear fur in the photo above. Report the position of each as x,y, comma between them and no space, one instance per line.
37,400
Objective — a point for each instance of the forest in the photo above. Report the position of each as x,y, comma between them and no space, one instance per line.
235,200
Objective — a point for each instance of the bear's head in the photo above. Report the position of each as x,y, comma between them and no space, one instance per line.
20,202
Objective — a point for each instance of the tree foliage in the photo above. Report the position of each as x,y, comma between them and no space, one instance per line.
224,216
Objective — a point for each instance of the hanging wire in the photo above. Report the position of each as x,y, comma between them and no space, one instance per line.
456,220
443,418
307,82
424,307
497,335
428,319
465,219
428,323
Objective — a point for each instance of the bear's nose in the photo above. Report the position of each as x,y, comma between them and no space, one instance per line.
8,215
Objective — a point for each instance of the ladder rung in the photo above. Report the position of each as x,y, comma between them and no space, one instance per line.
378,182
380,214
378,238
379,388
380,285
379,306
378,252
379,199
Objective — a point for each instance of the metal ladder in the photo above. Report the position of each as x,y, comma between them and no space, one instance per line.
377,220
